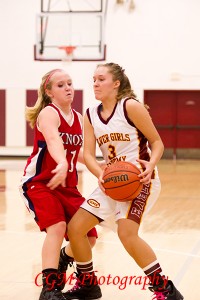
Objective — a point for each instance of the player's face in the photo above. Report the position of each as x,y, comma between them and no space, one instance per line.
104,86
62,91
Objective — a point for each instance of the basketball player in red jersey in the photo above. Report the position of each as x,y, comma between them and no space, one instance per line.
49,183
123,129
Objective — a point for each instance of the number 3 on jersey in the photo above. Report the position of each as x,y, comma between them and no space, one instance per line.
112,151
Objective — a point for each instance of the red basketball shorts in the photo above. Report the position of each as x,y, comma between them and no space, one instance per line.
49,207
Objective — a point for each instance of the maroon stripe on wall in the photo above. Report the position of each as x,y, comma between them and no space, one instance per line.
31,98
78,101
2,117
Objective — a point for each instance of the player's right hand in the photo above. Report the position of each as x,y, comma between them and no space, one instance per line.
100,181
60,175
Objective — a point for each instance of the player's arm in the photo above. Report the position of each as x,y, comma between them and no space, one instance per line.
101,163
139,115
89,149
48,122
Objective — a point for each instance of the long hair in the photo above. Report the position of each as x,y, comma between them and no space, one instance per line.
31,113
118,73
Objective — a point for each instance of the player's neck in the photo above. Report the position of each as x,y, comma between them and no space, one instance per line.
66,110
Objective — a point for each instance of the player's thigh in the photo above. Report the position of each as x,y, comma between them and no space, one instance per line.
71,200
45,204
99,205
82,222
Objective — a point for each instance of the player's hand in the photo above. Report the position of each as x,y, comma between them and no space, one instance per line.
146,175
60,175
100,181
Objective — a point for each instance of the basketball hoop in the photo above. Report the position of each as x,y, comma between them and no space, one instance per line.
69,51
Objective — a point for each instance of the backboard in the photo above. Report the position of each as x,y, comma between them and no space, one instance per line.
72,23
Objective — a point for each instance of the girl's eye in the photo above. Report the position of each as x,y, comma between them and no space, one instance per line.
100,79
60,85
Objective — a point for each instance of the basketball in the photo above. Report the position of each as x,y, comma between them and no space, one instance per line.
121,181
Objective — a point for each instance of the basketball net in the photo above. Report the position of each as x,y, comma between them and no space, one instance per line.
68,55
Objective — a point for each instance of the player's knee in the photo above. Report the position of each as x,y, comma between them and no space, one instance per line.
92,241
127,229
73,230
61,228
125,234
57,229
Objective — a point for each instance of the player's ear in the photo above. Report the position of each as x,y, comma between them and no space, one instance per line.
116,83
48,92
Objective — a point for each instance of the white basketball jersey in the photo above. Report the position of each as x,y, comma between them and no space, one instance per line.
117,137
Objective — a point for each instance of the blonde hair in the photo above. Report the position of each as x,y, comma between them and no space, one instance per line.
31,113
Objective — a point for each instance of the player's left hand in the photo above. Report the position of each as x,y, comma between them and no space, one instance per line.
146,175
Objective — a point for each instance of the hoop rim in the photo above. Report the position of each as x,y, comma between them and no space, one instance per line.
68,49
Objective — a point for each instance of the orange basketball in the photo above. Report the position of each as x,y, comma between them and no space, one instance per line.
121,181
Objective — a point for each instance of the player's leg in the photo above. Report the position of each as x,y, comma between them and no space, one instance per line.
71,200
50,217
87,283
95,209
52,244
145,257
128,225
50,257
67,258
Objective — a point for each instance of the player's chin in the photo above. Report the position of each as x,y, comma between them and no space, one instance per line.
69,96
97,96
69,99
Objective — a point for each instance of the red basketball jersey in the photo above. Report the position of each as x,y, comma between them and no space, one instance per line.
40,163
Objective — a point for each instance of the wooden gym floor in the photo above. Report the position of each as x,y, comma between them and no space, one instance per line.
172,228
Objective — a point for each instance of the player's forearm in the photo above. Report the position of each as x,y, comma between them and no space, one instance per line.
157,149
56,150
92,165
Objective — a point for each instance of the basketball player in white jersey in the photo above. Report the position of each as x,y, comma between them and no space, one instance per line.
123,129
